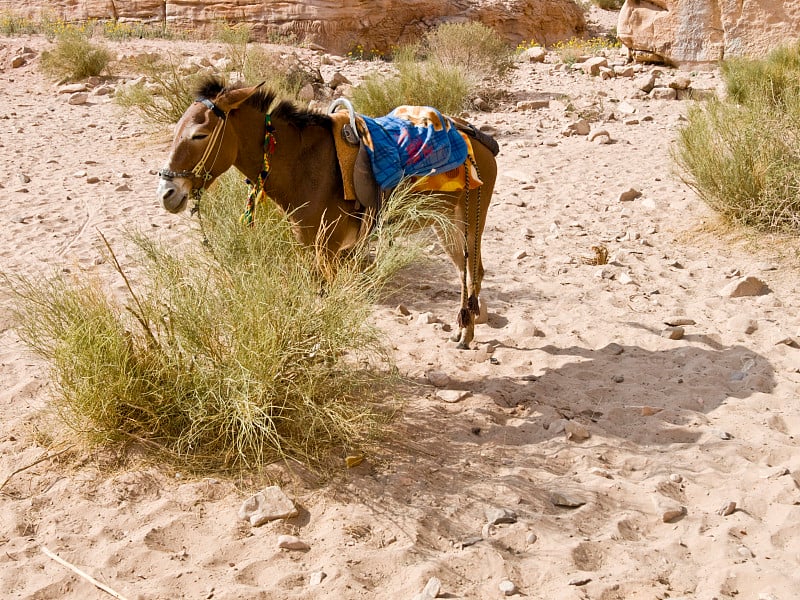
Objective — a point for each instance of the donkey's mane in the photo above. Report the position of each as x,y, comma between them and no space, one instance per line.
265,100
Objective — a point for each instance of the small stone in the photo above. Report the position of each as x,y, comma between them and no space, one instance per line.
72,88
576,431
403,310
123,188
593,65
744,552
531,538
680,83
668,509
316,578
78,98
470,542
742,324
291,542
337,80
727,509
745,286
663,93
267,505
509,588
626,108
438,378
579,581
496,516
566,500
678,321
533,104
579,127
452,396
426,318
646,82
92,179
595,133
520,255
649,411
629,195
18,61
673,333
432,589
723,435
557,426
676,478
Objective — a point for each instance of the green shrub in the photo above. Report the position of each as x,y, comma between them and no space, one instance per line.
11,24
742,154
74,57
228,357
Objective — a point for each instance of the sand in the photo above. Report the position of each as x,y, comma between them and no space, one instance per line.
573,393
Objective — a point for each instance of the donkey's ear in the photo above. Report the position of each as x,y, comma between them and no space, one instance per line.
230,100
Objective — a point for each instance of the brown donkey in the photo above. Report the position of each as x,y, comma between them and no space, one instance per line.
291,152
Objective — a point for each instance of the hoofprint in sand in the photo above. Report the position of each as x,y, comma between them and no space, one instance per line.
633,460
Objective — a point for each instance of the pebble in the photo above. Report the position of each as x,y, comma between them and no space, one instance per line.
403,310
649,411
496,516
579,581
452,396
431,590
727,509
744,286
566,500
576,432
438,378
679,321
317,577
291,542
426,318
267,505
78,98
509,588
673,333
676,478
520,255
629,195
744,552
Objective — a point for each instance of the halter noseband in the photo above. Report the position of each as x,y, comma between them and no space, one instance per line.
199,171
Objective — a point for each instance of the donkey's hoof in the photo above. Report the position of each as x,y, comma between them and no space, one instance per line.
456,337
463,346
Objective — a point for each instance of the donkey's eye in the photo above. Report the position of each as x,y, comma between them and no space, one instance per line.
199,136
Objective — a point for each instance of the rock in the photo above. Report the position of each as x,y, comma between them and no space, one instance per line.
520,254
679,321
316,578
676,478
742,324
18,61
745,286
566,500
623,71
337,80
267,505
592,65
645,82
291,542
663,93
626,108
452,396
402,309
680,83
557,426
579,581
307,93
496,516
78,98
536,54
438,378
481,104
667,509
673,333
579,127
507,587
649,411
72,88
431,590
533,104
727,509
576,431
531,538
629,195
427,318
601,136
678,32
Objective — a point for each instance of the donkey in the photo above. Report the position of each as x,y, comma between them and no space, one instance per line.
290,153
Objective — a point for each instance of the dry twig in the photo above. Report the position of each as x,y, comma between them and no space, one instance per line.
88,578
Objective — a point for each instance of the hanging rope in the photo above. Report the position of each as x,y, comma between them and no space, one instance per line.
256,192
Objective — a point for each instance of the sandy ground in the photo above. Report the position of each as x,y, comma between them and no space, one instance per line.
677,428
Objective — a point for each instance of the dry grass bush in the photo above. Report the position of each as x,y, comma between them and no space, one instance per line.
742,154
443,71
228,357
165,95
74,57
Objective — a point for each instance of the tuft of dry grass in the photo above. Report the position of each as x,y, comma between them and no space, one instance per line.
74,57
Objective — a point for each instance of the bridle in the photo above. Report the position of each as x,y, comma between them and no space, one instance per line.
256,192
199,171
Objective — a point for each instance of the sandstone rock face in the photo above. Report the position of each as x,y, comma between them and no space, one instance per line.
683,32
336,25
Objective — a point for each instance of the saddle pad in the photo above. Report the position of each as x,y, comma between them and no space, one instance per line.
411,141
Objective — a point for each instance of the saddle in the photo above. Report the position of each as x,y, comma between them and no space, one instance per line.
356,152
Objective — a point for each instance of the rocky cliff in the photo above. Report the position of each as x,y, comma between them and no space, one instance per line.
700,31
337,25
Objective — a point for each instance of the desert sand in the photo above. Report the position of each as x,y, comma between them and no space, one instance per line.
630,465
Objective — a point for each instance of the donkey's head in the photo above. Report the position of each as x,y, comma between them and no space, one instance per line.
204,146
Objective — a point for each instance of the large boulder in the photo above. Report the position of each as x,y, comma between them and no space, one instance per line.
682,32
337,26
